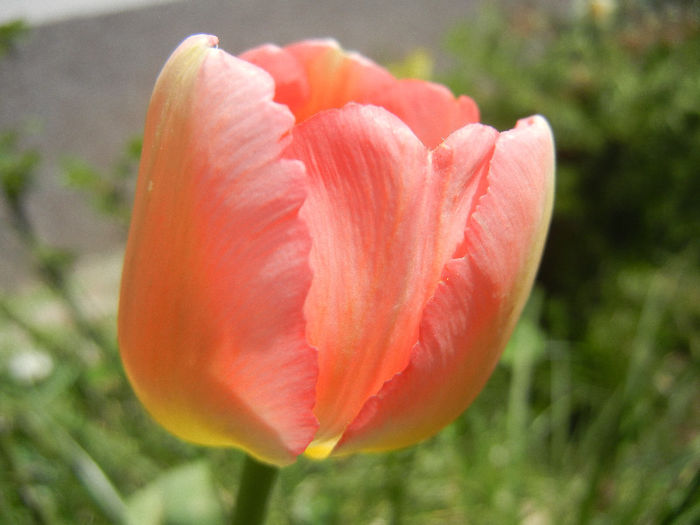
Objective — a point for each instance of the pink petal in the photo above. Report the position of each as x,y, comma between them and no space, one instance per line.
381,225
291,83
469,320
430,110
315,75
216,271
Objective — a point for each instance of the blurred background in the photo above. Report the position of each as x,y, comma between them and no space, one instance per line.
593,414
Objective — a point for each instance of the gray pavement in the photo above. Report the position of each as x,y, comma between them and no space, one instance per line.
83,84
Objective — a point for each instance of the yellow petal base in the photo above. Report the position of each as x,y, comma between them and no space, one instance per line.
321,449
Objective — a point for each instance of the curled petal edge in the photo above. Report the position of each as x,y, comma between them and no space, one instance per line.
199,263
470,318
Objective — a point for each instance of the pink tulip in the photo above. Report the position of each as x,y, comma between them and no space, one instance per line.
322,258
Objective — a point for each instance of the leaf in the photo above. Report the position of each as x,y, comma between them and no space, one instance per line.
180,496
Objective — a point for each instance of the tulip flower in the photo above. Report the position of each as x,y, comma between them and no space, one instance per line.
322,258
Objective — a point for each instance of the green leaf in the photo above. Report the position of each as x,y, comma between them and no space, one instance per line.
181,496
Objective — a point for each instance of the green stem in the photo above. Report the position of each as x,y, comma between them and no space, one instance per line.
257,480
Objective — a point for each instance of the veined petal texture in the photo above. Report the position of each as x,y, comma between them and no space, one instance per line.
216,242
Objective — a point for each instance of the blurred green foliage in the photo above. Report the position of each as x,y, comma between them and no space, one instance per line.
10,33
110,192
620,87
591,416
619,83
16,167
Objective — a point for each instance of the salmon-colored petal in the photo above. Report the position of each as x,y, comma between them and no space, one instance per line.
381,236
335,77
315,75
429,109
291,82
468,321
216,272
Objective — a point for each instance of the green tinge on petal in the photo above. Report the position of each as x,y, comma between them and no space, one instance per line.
211,325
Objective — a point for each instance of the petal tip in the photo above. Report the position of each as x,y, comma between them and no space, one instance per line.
202,39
